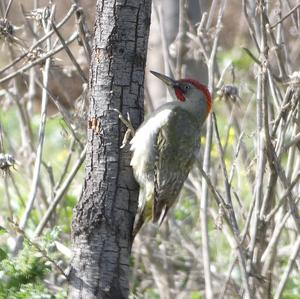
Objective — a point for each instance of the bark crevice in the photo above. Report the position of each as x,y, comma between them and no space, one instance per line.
104,216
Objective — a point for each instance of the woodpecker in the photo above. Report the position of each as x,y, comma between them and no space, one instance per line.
165,147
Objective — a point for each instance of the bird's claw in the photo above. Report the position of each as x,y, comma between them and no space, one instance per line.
130,130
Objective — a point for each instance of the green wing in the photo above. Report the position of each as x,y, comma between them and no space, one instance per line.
177,143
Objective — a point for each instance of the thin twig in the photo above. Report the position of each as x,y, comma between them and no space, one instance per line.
38,61
288,269
46,36
169,67
83,32
224,287
7,9
285,17
206,161
229,205
283,198
71,56
275,236
60,193
63,112
37,247
39,151
180,37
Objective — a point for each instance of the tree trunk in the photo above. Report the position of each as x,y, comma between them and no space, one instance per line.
104,215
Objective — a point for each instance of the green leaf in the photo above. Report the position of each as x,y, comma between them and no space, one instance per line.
3,254
2,230
196,295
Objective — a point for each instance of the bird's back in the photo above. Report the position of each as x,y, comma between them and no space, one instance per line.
177,145
164,150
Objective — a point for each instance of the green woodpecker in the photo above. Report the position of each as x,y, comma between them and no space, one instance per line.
165,147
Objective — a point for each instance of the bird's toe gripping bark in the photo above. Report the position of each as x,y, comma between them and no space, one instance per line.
130,130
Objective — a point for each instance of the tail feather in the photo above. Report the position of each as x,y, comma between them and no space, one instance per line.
162,218
144,209
159,212
138,223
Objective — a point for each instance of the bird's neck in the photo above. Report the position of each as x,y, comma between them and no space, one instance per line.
197,107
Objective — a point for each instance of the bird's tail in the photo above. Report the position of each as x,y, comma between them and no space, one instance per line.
159,212
144,212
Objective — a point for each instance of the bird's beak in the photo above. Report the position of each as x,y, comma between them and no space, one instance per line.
167,80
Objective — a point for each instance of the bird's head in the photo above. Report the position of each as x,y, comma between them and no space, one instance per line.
187,89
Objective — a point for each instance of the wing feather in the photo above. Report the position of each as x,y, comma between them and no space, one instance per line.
176,145
143,158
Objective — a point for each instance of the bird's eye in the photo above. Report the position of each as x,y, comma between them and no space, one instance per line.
186,87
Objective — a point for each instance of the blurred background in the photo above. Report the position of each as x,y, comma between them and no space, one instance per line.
43,134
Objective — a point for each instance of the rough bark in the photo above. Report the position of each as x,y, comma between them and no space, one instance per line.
104,215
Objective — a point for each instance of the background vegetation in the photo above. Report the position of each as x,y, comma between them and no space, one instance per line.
235,230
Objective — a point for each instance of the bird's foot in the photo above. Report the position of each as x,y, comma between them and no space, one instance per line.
130,130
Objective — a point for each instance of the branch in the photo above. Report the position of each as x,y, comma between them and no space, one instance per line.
60,193
288,269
